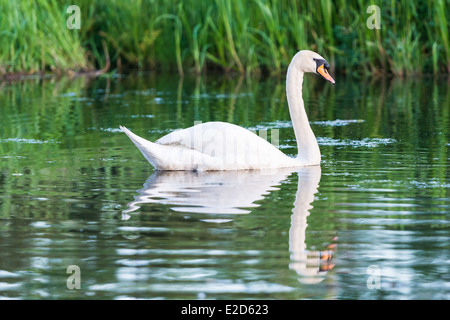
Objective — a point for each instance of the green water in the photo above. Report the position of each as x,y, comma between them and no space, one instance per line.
371,223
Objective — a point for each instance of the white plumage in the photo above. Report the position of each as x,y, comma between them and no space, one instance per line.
225,146
211,146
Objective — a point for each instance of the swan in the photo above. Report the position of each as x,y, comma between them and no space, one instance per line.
225,146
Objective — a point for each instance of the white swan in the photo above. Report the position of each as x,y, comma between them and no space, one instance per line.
225,146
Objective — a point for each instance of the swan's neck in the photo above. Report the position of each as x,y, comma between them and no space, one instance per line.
308,149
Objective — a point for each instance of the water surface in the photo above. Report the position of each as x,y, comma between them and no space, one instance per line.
370,223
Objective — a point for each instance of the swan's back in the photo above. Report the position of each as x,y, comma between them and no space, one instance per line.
232,147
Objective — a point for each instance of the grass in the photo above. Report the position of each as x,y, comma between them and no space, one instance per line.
246,37
29,45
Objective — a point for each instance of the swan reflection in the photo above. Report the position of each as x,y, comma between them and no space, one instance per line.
215,192
308,264
235,192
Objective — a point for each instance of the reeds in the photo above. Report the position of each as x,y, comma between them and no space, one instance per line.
245,37
34,38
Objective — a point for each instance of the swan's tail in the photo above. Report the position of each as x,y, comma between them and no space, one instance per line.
149,149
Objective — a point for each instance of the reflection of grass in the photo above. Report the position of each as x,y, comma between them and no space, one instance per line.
40,112
245,37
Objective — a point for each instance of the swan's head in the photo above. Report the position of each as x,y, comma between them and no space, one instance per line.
309,61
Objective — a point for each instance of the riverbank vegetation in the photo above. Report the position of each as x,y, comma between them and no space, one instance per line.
245,37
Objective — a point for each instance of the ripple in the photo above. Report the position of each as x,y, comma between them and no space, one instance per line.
110,129
223,287
430,184
28,141
142,229
216,220
337,122
365,143
4,286
212,287
7,274
187,252
279,124
134,116
40,224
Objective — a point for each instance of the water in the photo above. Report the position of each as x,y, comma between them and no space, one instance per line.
371,223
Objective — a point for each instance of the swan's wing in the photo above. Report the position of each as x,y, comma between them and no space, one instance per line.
212,138
176,137
225,141
197,137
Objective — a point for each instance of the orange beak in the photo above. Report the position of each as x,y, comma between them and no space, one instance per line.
324,73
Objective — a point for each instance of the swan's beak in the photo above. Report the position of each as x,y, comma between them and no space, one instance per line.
324,73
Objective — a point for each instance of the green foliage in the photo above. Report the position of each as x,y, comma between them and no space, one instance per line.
231,35
34,38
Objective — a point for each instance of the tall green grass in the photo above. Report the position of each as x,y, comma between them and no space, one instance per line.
246,37
34,38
